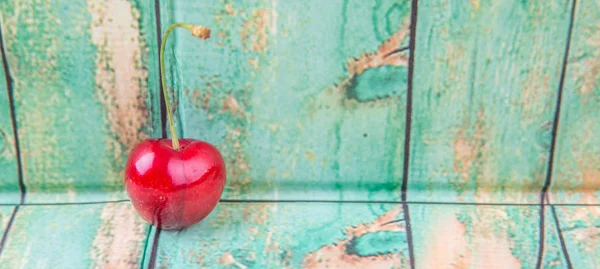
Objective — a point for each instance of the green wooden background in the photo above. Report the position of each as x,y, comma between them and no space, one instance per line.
357,134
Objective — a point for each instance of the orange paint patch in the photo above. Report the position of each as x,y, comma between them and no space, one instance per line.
253,61
228,259
476,4
120,74
447,246
450,245
229,10
493,253
589,185
120,239
254,32
470,155
335,255
384,55
464,154
231,104
590,69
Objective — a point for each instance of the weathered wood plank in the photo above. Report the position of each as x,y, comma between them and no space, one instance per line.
298,95
75,236
485,86
9,177
465,236
580,226
309,235
576,176
80,94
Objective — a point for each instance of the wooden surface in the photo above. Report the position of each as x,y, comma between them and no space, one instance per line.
478,236
272,235
302,104
486,80
308,101
581,228
9,188
81,95
75,236
577,164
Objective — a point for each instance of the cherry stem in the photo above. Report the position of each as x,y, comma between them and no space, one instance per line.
197,31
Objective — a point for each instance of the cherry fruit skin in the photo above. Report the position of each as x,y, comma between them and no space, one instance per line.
174,189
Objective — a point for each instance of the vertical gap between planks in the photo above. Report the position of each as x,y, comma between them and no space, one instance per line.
13,115
163,123
411,69
143,260
555,124
8,226
163,107
561,238
154,251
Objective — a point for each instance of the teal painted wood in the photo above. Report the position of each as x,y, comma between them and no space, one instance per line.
272,235
9,177
75,236
580,226
149,57
485,86
5,214
297,95
576,176
80,94
468,236
554,257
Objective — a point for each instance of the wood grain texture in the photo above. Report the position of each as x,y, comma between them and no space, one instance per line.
299,235
75,236
450,236
298,95
80,94
580,226
485,86
9,177
576,176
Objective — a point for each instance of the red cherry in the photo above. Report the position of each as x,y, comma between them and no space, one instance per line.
174,189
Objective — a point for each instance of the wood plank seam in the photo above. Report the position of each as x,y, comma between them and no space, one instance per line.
163,108
8,226
411,68
11,101
555,124
561,238
153,253
163,129
316,202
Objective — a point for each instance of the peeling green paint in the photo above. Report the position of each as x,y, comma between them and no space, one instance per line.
75,236
486,79
576,177
269,92
378,243
580,226
307,101
469,236
286,235
71,149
